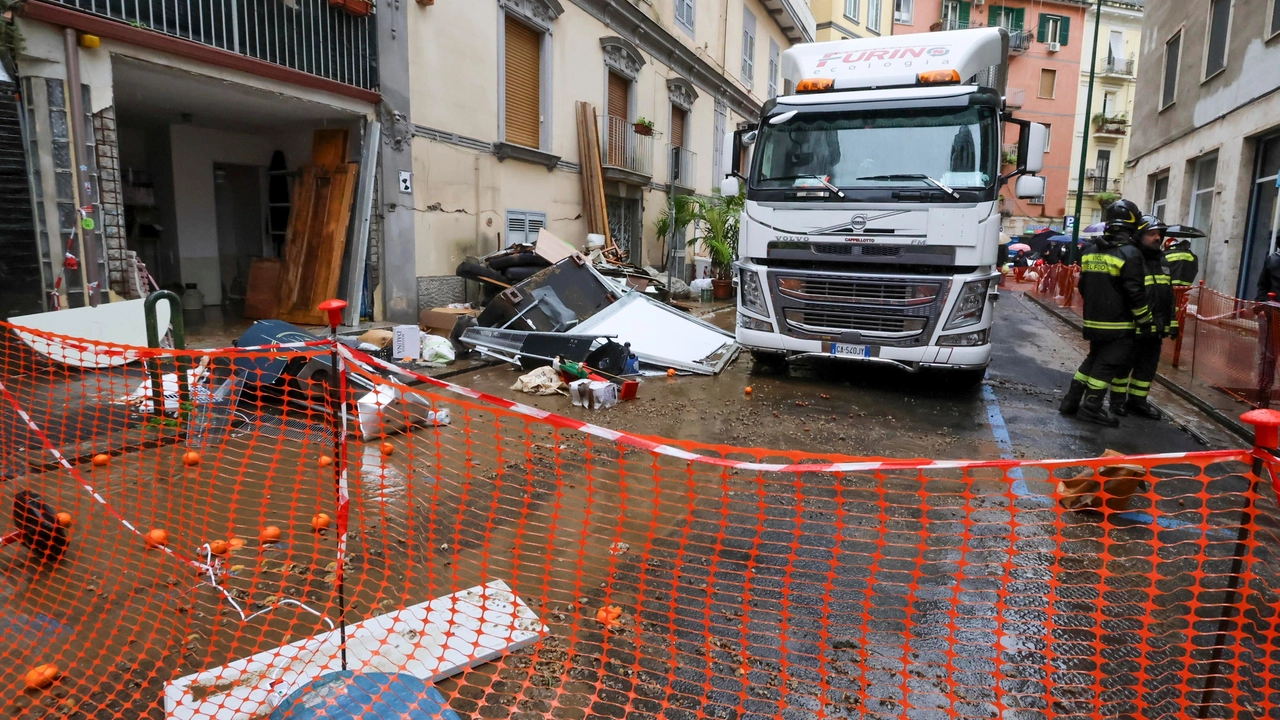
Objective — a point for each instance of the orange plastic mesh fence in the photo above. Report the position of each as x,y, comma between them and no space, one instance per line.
1221,345
662,579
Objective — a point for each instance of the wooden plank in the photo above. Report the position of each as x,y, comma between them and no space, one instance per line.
262,293
317,237
329,148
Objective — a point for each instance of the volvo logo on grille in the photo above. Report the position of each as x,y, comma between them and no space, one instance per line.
858,223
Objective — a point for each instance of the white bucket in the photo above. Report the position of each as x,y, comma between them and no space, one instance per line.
595,241
701,268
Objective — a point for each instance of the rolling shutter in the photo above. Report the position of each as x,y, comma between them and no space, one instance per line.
619,89
524,85
677,126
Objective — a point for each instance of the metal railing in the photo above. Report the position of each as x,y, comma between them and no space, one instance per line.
684,170
1098,184
1119,66
1020,41
955,24
307,35
1110,125
622,147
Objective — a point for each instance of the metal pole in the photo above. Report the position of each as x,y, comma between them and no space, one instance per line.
1084,143
334,310
80,165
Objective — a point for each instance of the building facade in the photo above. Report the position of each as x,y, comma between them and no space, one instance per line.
1046,45
1206,139
851,19
495,136
1108,126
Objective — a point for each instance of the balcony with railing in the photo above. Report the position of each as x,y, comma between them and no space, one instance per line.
1097,184
331,39
1115,125
625,152
953,23
684,167
1120,67
1020,41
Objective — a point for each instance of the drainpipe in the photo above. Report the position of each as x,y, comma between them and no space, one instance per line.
80,149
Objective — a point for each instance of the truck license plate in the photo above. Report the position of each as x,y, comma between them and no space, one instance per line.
853,351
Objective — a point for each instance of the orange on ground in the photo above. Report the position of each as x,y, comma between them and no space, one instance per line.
101,460
325,461
64,519
157,538
388,449
191,458
671,372
748,390
320,522
235,543
219,547
270,533
42,676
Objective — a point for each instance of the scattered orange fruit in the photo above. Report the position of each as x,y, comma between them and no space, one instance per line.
101,460
270,533
219,547
64,519
671,372
609,615
157,538
748,390
320,522
191,458
235,543
325,461
388,449
42,676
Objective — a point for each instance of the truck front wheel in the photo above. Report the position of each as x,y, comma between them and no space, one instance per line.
965,380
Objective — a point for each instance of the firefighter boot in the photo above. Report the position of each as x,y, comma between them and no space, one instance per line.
1119,404
1142,407
1071,400
1092,410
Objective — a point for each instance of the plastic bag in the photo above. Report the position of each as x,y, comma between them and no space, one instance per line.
437,350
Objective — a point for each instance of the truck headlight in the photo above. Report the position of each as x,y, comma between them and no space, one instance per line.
752,292
969,308
973,339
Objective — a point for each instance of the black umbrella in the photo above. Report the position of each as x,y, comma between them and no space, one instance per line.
1040,241
1184,231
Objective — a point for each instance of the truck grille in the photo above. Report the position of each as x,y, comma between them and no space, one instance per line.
863,250
831,321
865,292
893,312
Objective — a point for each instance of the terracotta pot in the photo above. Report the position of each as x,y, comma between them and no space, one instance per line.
642,129
359,8
721,289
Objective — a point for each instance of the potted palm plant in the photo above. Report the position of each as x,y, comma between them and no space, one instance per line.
715,221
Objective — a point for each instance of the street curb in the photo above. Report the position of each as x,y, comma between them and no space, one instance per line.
1226,421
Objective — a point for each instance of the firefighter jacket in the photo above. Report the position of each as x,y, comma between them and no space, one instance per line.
1183,264
1113,288
1159,284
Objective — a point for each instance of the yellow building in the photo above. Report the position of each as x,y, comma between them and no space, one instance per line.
845,19
1114,91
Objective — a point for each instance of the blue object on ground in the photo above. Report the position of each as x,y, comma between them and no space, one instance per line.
348,695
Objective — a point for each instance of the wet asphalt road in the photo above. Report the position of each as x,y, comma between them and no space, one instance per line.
872,411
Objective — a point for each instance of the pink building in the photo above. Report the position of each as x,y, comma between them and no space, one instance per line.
1044,78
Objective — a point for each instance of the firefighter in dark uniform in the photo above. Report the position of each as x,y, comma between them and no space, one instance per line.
1183,268
1130,394
1112,286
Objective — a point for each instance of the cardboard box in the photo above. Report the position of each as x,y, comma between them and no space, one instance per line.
406,343
1117,484
440,321
378,337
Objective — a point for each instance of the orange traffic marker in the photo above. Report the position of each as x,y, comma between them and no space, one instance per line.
325,461
388,449
192,458
157,538
64,519
101,460
320,522
270,534
219,547
42,676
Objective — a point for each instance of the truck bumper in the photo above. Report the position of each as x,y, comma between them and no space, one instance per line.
953,358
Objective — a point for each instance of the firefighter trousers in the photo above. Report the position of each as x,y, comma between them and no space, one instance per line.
1144,361
1107,360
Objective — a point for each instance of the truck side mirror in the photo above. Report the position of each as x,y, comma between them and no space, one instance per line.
1030,186
1032,147
731,150
730,187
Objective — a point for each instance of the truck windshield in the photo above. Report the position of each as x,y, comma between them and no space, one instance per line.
881,148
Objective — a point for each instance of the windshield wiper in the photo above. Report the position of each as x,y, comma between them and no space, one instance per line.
819,178
924,178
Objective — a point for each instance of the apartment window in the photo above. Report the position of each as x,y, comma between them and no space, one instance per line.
1262,209
1216,44
904,11
748,46
523,226
1115,47
1048,136
1204,180
875,9
775,54
1054,28
1172,51
1160,195
851,8
1103,166
1010,19
684,15
955,14
678,118
1048,83
1108,104
523,98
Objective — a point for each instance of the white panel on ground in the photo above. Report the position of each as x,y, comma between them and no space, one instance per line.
662,335
431,641
114,324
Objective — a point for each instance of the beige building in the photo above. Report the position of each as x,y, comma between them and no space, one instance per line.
494,84
1114,93
845,19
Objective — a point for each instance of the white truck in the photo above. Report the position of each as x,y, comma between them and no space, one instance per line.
871,224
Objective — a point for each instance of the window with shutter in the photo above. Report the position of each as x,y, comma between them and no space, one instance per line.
619,96
748,46
1053,28
523,226
774,55
677,126
523,84
1172,53
1010,19
684,14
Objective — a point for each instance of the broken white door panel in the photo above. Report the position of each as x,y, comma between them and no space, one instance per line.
662,335
97,336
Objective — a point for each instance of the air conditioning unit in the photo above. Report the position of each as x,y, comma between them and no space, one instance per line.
1055,47
1090,173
